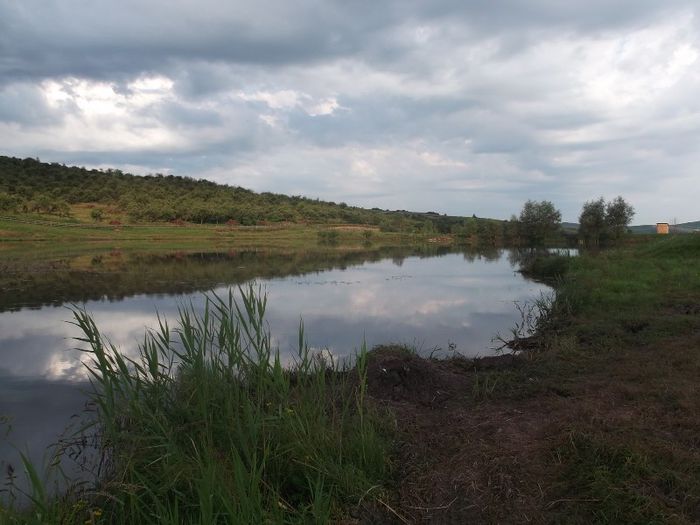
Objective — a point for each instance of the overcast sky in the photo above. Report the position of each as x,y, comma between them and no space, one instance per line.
450,106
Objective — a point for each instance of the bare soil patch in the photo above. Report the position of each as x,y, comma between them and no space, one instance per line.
513,457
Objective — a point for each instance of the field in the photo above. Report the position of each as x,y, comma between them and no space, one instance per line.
49,239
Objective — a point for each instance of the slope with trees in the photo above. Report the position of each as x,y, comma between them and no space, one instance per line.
33,187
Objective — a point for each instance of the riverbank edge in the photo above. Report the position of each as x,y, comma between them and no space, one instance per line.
594,420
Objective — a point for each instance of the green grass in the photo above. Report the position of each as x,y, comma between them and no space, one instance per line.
630,331
633,290
47,241
613,479
208,425
143,235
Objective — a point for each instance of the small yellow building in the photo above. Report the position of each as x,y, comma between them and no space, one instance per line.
662,228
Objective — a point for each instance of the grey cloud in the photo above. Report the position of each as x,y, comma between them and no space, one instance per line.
104,39
493,90
25,104
177,114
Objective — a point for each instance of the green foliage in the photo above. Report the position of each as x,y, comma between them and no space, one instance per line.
41,187
488,231
9,203
600,220
482,231
539,221
592,223
545,267
44,203
96,214
618,215
428,227
511,229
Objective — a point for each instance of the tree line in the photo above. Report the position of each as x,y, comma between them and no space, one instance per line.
599,221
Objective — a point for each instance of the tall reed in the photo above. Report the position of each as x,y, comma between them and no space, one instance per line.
208,425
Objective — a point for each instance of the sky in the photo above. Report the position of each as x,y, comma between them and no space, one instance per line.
453,106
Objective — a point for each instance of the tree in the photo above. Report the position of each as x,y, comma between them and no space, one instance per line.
96,214
487,231
618,215
510,229
9,202
43,203
466,229
62,209
600,220
428,227
592,223
539,220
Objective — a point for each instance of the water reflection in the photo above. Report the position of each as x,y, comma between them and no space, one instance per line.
425,298
427,301
113,276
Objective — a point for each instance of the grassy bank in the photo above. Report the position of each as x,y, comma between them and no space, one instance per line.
631,352
596,422
209,426
50,237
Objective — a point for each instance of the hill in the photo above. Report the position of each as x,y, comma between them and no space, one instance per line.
30,186
686,227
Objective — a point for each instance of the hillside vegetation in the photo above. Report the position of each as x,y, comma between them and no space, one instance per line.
28,186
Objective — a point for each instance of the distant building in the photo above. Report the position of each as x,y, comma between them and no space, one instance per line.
662,228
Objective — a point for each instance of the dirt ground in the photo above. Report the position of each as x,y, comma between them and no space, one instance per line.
499,440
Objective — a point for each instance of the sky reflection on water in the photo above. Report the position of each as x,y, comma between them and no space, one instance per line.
426,302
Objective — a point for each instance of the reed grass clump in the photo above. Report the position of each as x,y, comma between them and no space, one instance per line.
208,425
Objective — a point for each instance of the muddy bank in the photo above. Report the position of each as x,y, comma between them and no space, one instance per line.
458,460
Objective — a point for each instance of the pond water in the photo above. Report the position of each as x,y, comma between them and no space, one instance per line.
436,301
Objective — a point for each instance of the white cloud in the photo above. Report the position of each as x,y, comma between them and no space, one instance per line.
284,99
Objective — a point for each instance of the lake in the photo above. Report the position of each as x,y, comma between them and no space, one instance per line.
436,300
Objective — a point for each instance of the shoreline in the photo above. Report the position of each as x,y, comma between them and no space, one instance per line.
592,422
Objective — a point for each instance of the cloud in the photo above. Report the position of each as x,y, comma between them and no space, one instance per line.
448,106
